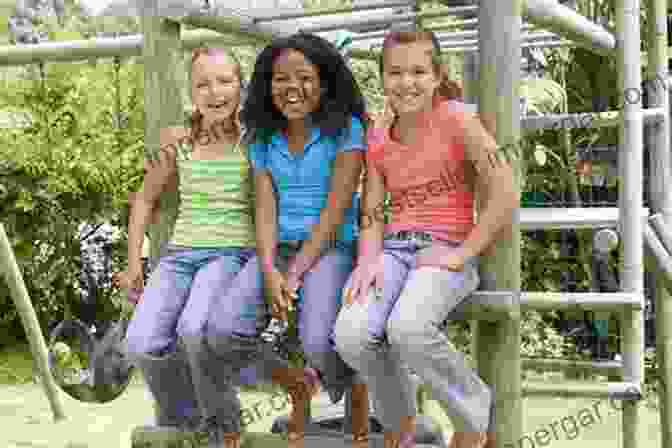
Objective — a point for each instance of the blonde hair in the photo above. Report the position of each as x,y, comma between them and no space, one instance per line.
196,119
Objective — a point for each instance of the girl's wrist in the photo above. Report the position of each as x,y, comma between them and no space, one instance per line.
268,264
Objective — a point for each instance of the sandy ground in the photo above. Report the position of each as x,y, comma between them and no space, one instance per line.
26,421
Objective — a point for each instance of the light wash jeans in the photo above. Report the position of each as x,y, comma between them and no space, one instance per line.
166,335
403,327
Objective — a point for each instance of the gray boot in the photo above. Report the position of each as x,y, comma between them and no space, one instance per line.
169,380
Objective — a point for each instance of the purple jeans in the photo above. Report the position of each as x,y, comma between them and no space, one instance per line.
318,306
403,328
166,334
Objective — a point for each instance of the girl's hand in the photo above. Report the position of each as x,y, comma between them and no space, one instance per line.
444,257
131,279
293,284
386,118
367,273
281,294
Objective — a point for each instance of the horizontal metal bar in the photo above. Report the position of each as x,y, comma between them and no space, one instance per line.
457,10
488,306
585,120
288,15
368,22
100,48
597,301
615,390
448,42
568,23
497,305
552,218
459,23
452,37
236,24
610,368
607,368
539,44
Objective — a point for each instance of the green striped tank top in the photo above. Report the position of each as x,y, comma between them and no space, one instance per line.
216,200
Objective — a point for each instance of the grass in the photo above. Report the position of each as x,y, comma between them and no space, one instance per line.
16,365
549,422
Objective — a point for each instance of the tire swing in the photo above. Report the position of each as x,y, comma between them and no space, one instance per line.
87,359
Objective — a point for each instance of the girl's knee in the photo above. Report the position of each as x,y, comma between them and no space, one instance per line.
404,333
140,345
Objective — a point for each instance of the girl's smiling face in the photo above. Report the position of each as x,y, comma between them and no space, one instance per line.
215,86
295,85
409,77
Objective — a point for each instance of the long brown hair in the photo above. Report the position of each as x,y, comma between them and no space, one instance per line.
448,89
196,119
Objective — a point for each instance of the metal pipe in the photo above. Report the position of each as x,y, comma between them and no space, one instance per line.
473,34
289,15
659,225
586,120
579,301
662,258
236,25
542,44
447,42
603,367
124,46
631,166
368,22
568,23
612,391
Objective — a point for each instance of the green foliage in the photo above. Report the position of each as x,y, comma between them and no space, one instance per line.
69,165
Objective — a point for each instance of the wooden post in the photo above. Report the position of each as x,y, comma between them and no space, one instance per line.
162,58
499,108
38,346
164,78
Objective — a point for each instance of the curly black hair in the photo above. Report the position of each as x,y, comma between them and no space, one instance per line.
341,97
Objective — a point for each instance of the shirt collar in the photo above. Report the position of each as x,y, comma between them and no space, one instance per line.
279,138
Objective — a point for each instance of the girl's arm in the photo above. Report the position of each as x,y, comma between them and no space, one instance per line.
344,181
266,217
495,179
372,221
160,174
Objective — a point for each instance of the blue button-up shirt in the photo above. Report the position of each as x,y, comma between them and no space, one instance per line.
303,181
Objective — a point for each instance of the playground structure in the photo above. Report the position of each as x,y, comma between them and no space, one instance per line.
495,309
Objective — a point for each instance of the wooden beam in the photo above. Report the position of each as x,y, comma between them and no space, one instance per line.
38,347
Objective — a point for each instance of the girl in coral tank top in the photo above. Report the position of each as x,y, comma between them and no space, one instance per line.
414,270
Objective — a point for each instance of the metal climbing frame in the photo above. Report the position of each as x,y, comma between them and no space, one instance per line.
497,307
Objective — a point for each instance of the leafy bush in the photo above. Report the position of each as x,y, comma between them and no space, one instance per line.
70,164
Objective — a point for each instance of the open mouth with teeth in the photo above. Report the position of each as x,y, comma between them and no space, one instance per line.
218,106
293,100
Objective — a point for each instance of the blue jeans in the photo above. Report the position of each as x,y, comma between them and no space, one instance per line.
317,308
166,334
403,327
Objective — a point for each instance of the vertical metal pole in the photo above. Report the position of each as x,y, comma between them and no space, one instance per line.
661,197
630,162
31,325
471,84
499,108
